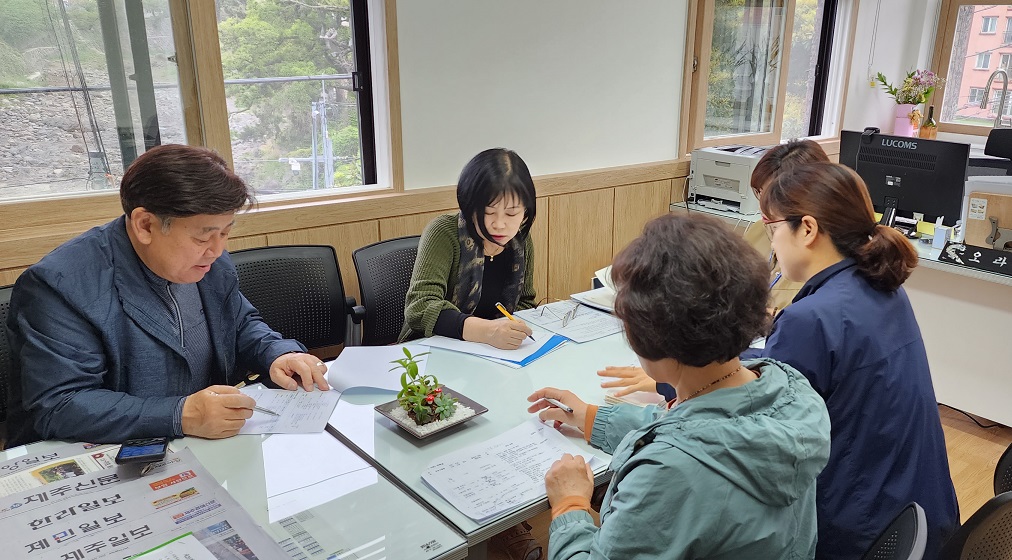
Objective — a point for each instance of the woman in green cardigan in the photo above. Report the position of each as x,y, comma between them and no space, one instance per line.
472,260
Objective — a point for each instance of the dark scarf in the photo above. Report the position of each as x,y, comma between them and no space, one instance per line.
472,266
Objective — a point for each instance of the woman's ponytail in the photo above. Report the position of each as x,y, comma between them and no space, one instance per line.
887,259
838,200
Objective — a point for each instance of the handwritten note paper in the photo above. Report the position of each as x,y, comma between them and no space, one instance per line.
299,412
502,474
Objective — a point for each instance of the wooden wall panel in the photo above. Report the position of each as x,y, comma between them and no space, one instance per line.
539,233
248,242
344,238
580,239
635,205
412,224
678,189
10,276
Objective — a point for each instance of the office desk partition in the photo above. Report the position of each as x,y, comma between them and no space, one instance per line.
504,391
376,521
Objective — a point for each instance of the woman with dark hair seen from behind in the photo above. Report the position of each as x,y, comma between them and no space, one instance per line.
728,469
469,261
852,332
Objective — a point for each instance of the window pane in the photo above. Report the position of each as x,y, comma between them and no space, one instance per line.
292,111
969,65
801,68
83,91
745,63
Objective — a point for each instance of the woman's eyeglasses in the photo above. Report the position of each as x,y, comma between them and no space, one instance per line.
768,224
571,309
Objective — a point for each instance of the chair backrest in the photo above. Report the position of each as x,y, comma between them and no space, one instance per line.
999,143
1003,473
986,535
384,274
5,349
298,291
904,539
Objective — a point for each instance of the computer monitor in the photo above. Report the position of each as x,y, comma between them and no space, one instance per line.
909,174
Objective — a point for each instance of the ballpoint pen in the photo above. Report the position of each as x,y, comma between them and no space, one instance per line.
255,407
242,384
558,404
775,280
502,310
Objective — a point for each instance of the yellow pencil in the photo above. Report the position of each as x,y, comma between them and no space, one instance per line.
502,310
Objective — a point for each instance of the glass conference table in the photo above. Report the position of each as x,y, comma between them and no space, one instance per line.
504,391
376,520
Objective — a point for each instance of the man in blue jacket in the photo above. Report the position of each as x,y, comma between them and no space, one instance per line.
137,328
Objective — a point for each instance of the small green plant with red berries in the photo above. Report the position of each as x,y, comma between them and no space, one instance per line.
421,396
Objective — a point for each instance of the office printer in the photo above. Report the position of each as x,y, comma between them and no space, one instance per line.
719,178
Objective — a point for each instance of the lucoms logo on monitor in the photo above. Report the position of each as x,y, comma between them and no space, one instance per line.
902,144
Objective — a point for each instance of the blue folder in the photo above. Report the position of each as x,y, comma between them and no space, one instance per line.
547,347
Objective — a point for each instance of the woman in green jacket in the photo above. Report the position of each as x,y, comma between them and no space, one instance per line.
470,261
727,469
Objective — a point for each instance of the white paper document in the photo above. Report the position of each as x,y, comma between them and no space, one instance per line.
502,474
299,412
369,366
573,320
598,298
527,347
303,471
604,276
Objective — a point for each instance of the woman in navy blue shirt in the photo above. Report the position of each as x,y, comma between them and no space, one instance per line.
852,332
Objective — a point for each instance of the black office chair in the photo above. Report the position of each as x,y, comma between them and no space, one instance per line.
298,291
999,145
987,535
5,354
384,273
904,539
1003,473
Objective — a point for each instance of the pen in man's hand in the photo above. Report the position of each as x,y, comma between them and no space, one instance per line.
558,404
266,410
502,310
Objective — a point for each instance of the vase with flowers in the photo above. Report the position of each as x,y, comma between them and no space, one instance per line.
917,86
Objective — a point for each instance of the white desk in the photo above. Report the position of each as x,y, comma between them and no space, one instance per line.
504,391
965,317
376,521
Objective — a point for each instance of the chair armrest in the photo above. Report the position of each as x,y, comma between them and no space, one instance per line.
357,314
355,311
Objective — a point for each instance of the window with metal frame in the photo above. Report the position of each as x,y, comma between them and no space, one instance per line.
87,86
963,56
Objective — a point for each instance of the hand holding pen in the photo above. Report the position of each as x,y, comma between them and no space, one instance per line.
507,314
558,406
253,377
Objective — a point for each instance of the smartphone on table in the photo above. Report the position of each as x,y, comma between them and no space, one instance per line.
142,450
